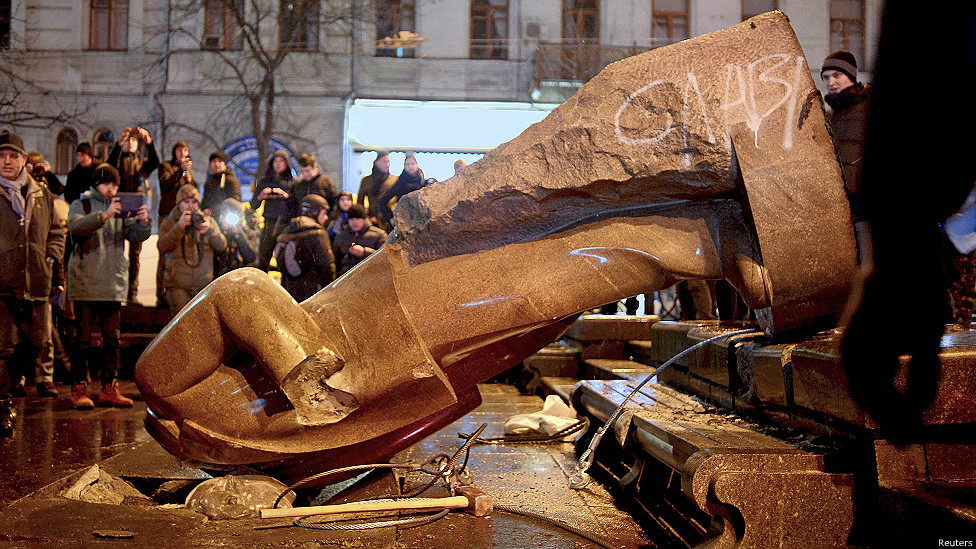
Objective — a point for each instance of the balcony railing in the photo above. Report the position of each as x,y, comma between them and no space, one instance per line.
576,62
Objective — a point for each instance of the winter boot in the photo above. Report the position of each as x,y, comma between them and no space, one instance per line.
7,414
46,389
112,396
80,398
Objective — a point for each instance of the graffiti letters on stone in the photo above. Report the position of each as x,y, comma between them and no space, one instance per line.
752,93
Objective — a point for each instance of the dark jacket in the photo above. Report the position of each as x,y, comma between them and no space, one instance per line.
242,240
220,187
320,185
133,169
25,272
406,183
848,121
274,208
79,181
371,188
170,181
370,237
313,252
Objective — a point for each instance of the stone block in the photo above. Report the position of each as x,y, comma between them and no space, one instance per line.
603,327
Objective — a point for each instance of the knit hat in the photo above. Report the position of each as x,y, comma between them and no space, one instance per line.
187,191
313,204
85,148
105,173
12,141
219,154
357,211
843,61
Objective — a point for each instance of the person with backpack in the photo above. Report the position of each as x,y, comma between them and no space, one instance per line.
304,252
98,283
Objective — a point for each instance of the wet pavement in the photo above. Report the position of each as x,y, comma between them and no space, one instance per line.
54,443
53,440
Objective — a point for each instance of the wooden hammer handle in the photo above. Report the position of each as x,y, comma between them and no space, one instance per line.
453,502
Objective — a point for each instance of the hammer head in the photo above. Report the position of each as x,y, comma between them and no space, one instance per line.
479,502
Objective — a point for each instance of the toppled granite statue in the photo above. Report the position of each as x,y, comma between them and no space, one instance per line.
705,159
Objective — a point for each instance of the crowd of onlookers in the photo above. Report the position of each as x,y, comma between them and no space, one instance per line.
71,252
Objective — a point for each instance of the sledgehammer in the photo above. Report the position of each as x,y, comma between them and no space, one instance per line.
471,499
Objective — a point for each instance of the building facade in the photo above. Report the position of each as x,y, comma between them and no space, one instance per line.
339,77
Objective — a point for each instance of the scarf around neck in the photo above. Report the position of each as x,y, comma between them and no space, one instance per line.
15,190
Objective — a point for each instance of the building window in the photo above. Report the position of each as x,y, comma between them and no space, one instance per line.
299,24
669,21
64,155
396,19
102,144
109,25
5,13
847,27
489,29
581,21
221,30
752,8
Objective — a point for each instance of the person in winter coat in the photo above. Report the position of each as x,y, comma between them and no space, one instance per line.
173,174
311,181
133,174
339,219
31,240
221,184
411,179
188,239
304,252
374,185
98,283
274,189
359,239
849,101
80,177
240,228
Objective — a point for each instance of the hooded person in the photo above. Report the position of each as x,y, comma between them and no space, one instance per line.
221,183
188,239
359,239
304,252
98,284
274,189
373,186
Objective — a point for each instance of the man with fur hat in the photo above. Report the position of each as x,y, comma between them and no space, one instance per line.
304,252
188,238
359,239
98,283
849,101
33,240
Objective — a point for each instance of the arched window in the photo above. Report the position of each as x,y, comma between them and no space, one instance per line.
65,150
102,143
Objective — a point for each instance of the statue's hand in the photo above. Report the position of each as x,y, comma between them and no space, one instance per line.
307,387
